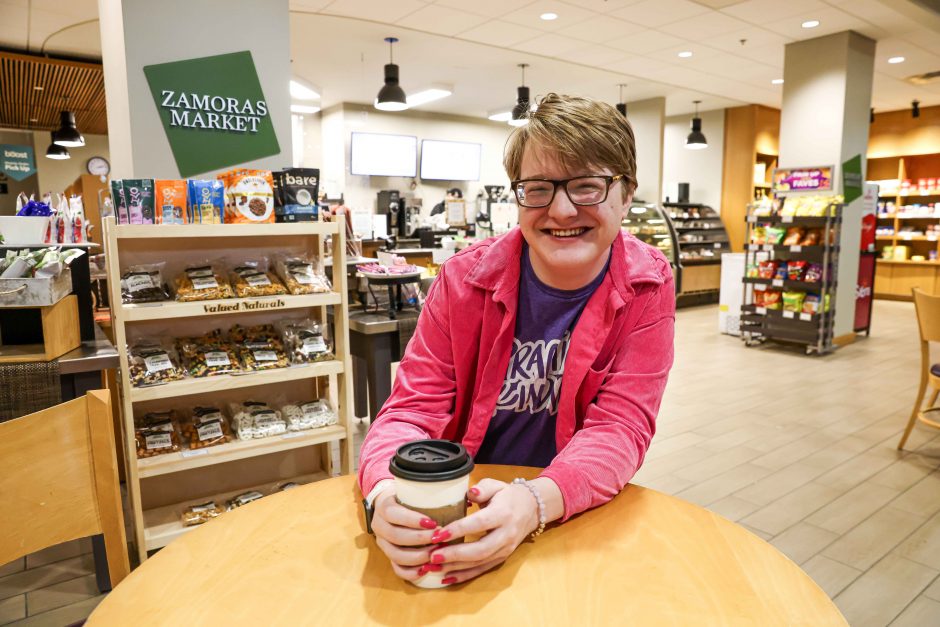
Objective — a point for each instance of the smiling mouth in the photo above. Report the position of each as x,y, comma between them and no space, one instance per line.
566,232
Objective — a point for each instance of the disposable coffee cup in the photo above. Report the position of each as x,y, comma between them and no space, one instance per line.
432,477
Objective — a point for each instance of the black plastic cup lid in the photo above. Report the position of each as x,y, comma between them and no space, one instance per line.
431,460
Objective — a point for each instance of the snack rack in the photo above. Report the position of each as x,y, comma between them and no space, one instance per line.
160,487
813,330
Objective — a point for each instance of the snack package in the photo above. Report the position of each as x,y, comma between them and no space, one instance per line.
775,234
138,193
206,427
796,269
170,201
297,194
305,341
759,298
152,363
262,354
302,275
249,196
144,284
206,201
751,271
811,304
243,499
311,415
794,236
207,356
772,299
781,271
759,235
157,433
793,301
251,278
200,513
205,282
119,201
813,273
254,419
767,269
811,238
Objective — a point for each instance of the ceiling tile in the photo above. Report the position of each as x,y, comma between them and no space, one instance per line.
597,56
550,45
374,10
601,6
489,8
601,29
529,15
653,13
760,12
443,20
640,67
644,42
308,5
752,36
497,33
916,59
926,39
879,13
771,55
703,26
831,21
671,54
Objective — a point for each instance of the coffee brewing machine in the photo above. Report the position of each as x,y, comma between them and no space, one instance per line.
389,204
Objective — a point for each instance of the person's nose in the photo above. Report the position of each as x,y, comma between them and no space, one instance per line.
562,209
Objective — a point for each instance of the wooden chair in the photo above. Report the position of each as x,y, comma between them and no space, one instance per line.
59,482
928,319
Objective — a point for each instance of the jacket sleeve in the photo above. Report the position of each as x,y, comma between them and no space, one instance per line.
606,452
422,400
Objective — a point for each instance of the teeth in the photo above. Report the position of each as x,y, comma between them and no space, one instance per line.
567,232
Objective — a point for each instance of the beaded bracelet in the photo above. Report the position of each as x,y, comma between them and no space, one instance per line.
538,499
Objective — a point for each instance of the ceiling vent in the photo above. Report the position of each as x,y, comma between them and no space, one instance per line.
924,79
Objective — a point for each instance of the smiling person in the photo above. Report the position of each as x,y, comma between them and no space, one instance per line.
548,346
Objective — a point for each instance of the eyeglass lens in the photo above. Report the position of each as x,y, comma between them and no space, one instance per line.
587,190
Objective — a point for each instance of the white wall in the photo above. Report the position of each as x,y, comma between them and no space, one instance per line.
55,175
327,147
701,169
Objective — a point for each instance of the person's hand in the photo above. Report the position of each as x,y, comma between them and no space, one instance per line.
509,513
403,535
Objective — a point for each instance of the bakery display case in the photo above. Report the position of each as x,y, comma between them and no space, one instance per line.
648,223
701,240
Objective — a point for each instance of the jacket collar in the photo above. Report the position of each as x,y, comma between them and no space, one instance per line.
498,269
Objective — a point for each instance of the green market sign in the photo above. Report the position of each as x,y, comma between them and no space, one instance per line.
213,111
852,179
17,162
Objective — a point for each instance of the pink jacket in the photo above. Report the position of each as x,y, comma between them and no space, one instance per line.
615,372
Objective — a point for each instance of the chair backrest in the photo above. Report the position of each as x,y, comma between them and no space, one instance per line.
928,315
59,482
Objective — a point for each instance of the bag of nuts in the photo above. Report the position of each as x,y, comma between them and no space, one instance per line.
151,362
207,427
302,275
306,341
157,433
208,355
251,278
202,282
144,284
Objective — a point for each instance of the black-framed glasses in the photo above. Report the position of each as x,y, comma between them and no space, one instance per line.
581,190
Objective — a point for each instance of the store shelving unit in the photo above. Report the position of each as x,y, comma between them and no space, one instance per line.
813,331
160,487
702,239
649,223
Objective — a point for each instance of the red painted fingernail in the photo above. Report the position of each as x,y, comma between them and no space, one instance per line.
475,491
448,580
440,536
423,571
427,523
437,558
432,568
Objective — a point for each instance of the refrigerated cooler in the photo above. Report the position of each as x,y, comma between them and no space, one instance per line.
649,223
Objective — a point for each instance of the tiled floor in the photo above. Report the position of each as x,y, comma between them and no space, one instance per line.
800,450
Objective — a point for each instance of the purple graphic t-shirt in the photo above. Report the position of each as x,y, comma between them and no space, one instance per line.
522,430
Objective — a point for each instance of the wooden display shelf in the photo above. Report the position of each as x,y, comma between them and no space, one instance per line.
238,449
902,216
780,284
162,525
908,262
174,309
218,383
781,248
811,221
174,231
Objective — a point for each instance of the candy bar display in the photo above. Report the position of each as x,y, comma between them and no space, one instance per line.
144,284
203,282
200,513
312,415
157,434
152,363
304,341
206,427
251,278
302,275
255,419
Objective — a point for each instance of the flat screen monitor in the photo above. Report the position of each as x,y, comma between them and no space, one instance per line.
450,161
377,154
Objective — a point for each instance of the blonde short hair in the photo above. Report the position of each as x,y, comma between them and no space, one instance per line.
580,131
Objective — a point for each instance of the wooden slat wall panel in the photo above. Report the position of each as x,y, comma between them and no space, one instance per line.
20,102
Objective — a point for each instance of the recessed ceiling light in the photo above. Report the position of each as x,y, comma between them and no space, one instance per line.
893,60
685,54
298,108
500,116
302,90
810,24
548,17
777,81
428,95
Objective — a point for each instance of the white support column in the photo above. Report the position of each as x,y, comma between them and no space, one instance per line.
648,118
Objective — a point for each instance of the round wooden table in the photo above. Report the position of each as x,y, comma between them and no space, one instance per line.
302,557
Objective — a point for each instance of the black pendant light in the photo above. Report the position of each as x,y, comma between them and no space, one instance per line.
57,151
622,106
696,139
915,108
520,112
391,97
67,134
